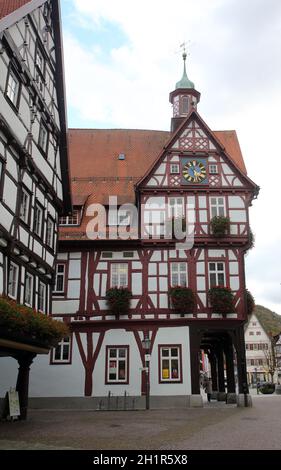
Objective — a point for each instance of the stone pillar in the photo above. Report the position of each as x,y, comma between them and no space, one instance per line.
195,340
244,398
221,386
230,376
214,373
25,360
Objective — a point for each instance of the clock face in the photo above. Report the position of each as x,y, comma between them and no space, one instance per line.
194,172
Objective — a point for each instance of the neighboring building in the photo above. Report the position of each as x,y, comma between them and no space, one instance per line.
258,351
277,352
167,173
34,179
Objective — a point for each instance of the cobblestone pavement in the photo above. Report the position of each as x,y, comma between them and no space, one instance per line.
216,426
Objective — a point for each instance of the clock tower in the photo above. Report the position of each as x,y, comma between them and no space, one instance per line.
184,98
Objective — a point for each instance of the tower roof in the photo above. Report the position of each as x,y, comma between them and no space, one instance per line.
184,82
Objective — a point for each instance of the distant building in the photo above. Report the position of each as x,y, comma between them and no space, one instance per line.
277,351
258,351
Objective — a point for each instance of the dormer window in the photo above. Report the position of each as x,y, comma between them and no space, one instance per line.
73,219
175,169
213,169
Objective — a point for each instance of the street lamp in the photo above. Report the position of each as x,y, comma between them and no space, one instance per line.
146,343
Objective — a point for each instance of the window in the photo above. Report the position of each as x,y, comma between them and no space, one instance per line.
107,254
254,323
178,274
170,359
124,217
260,362
175,168
119,275
50,232
39,60
247,346
217,206
60,278
251,347
24,205
43,137
216,274
41,297
176,207
251,333
72,219
13,280
117,364
38,220
258,333
62,353
13,88
28,292
185,105
213,169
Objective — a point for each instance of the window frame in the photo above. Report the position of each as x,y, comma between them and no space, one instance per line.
217,206
56,292
213,166
37,205
118,285
30,276
27,193
118,359
174,213
65,221
15,283
170,380
216,272
172,172
61,344
12,73
179,272
44,149
39,52
50,245
42,310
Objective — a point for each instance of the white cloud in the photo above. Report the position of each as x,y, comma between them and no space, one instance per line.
234,63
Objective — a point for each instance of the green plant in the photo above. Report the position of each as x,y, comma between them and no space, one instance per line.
24,324
118,300
183,299
221,299
250,302
220,226
267,388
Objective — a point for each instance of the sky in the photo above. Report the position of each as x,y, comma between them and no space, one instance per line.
123,58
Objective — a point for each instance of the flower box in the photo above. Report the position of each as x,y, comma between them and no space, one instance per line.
183,299
221,299
118,300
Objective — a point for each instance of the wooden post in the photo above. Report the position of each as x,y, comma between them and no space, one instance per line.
25,360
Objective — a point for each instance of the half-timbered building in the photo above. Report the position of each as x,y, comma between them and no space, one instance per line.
190,172
34,179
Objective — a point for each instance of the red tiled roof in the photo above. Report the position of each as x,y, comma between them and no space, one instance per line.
97,172
8,6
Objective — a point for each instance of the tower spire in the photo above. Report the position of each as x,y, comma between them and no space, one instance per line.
184,82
